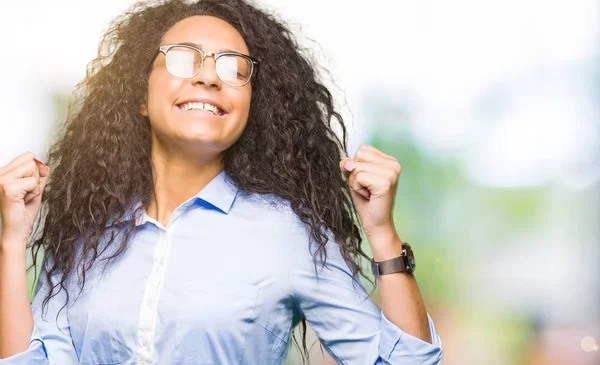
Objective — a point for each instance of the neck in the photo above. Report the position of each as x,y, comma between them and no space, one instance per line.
178,176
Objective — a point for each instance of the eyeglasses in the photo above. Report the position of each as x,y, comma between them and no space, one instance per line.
185,61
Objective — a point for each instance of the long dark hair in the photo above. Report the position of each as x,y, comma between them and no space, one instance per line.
101,161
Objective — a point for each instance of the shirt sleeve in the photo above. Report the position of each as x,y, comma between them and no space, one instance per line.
348,323
50,342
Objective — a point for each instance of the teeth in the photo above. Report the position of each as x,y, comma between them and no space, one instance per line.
201,106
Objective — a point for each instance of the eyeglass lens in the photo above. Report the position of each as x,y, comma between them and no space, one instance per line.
186,62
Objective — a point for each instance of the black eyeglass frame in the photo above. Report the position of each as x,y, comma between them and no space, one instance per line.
254,63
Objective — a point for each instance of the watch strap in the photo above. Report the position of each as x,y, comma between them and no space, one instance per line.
392,266
398,264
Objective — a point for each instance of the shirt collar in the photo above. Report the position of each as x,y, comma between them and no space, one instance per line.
220,193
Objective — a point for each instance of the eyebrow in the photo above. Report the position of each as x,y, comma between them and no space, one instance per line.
197,45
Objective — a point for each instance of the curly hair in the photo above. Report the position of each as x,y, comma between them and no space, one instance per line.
101,162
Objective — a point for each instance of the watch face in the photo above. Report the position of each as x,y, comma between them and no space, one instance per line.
410,256
411,262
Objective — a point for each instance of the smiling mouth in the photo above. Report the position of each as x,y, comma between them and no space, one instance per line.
213,109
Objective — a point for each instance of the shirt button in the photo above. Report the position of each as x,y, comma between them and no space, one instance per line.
142,342
149,302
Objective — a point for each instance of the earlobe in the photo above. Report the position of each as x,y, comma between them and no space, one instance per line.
144,110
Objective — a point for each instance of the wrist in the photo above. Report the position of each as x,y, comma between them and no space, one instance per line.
385,247
12,244
383,233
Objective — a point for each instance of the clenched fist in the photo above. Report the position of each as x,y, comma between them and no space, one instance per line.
22,183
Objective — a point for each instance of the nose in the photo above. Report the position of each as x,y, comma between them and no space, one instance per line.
208,72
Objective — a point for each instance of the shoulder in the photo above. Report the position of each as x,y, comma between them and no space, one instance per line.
268,208
273,218
285,227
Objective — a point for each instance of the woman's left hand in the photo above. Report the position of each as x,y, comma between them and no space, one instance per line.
372,176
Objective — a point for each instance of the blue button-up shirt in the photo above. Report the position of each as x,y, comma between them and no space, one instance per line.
223,283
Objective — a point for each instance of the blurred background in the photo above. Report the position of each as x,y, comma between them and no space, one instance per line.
493,109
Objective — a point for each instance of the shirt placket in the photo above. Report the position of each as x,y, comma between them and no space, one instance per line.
148,312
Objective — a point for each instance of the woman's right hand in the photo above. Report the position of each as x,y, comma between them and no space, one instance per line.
22,182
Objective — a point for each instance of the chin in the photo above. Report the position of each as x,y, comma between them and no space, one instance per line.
198,132
202,142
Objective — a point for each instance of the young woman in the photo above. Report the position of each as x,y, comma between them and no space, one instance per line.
199,208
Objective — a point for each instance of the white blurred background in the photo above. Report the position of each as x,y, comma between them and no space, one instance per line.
493,109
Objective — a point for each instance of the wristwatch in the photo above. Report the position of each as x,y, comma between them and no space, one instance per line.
404,263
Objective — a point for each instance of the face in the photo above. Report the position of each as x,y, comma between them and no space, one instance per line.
173,106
